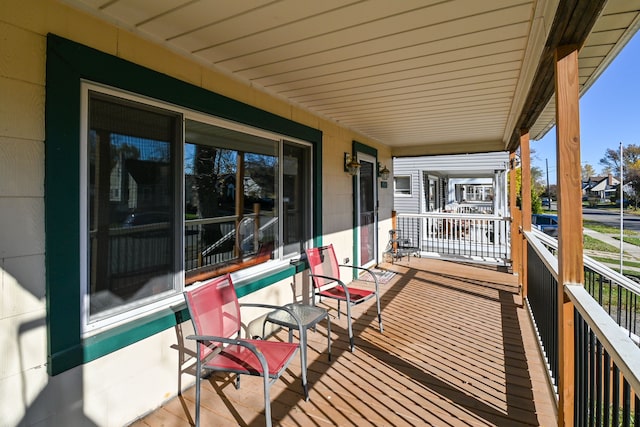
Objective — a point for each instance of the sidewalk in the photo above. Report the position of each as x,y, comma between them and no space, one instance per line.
630,252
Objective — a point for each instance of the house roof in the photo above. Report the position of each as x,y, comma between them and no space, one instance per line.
421,76
601,183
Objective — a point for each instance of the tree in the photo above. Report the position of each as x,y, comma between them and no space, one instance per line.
588,171
631,163
536,203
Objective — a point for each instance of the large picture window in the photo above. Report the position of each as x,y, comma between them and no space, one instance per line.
122,211
174,197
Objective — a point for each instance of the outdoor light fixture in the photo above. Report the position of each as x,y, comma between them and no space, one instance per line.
351,164
383,172
515,162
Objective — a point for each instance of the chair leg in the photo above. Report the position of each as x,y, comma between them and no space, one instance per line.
379,314
267,400
303,362
198,370
329,336
351,341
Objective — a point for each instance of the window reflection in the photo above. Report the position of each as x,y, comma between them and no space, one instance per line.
131,202
230,199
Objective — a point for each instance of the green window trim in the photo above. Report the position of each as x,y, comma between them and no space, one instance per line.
68,63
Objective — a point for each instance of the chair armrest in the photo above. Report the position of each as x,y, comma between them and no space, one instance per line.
338,281
234,341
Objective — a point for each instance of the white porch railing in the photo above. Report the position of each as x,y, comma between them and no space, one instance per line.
474,208
479,238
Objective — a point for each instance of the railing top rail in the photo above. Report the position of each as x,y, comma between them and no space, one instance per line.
217,220
589,262
450,215
615,339
536,238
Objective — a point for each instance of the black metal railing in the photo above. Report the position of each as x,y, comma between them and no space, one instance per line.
617,294
607,357
606,386
542,297
470,236
620,301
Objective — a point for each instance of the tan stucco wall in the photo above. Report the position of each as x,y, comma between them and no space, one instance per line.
115,389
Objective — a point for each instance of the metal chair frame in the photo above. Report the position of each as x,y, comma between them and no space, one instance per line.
220,353
326,285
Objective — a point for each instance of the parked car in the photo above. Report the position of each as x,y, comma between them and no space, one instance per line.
546,202
546,223
625,202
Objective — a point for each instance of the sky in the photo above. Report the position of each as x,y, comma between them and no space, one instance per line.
609,114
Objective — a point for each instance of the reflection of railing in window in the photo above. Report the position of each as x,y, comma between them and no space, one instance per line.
249,242
136,254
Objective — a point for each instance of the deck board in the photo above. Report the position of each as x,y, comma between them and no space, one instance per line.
458,350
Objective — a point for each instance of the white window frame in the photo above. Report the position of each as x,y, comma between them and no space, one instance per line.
141,308
395,187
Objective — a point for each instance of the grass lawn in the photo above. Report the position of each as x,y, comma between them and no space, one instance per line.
593,244
629,239
617,261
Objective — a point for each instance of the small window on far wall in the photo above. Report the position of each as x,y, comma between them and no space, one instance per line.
402,185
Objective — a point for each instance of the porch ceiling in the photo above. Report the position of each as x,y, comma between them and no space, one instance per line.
421,76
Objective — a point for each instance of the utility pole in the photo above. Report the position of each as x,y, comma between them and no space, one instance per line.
548,194
621,192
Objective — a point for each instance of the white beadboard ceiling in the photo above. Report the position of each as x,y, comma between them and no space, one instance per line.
421,76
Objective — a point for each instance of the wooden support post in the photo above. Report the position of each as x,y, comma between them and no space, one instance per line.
525,159
570,246
514,212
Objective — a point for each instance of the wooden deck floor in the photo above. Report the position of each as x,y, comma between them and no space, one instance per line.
457,350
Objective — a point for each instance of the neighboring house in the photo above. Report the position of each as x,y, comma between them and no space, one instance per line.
462,183
600,187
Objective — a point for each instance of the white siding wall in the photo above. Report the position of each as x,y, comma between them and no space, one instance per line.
408,203
448,167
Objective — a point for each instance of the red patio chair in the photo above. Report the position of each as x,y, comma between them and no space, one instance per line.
215,313
325,273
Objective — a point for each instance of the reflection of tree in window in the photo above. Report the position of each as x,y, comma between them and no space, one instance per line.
205,179
230,189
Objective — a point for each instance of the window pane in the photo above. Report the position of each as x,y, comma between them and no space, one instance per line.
295,203
131,203
230,198
402,184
